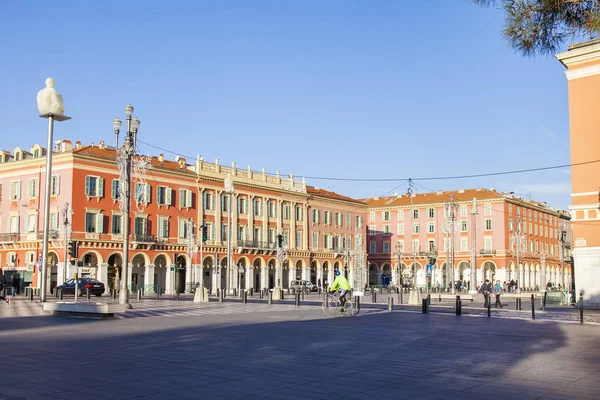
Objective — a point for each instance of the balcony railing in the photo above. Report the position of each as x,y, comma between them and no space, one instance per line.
487,252
255,244
139,238
9,237
52,234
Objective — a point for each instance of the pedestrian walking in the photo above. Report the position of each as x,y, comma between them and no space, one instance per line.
498,293
14,283
486,289
2,283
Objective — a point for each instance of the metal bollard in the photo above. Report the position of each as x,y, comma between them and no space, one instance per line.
177,294
281,294
297,299
581,307
220,296
244,297
234,292
270,298
87,293
302,295
113,294
55,293
400,300
390,304
424,309
373,297
260,295
544,301
139,294
532,307
30,294
357,302
60,294
490,306
458,306
157,293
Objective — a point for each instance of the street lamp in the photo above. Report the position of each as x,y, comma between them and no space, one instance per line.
229,190
473,272
124,157
517,238
414,297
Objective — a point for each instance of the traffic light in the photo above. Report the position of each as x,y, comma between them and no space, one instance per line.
279,240
72,249
204,232
432,260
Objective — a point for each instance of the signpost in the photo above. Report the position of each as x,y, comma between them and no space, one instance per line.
428,268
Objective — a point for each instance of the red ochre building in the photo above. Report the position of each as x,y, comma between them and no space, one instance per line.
318,226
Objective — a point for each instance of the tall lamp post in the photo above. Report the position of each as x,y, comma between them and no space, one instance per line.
473,272
359,262
414,297
67,212
451,210
229,190
50,106
124,156
518,238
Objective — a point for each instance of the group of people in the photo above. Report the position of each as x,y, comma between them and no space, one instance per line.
488,289
14,285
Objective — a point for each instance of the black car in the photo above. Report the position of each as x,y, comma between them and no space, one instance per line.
96,287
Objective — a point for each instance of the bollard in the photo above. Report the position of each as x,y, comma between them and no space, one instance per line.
220,295
234,292
281,294
157,293
424,306
544,301
357,302
428,301
60,294
490,305
177,294
270,298
139,294
390,304
244,297
87,293
55,292
298,300
458,306
581,307
260,295
373,297
114,294
400,301
517,305
532,307
302,295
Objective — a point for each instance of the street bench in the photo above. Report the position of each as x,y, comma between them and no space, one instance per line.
85,310
521,295
451,297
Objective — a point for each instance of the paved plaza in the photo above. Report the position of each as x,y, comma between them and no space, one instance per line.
183,350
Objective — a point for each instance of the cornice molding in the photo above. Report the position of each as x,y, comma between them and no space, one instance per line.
580,55
583,72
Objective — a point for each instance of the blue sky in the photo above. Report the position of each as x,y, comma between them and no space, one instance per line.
349,89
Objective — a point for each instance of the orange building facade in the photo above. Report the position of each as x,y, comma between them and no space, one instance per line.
583,75
166,251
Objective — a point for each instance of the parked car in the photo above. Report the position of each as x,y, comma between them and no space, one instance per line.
96,287
299,284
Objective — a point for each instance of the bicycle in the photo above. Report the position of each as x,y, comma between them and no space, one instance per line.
332,304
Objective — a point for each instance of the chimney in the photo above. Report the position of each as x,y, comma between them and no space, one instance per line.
66,145
161,157
101,146
182,162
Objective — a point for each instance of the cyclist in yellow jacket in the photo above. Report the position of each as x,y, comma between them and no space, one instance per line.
342,285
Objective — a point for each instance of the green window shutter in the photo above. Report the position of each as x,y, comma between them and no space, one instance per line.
182,228
100,187
87,185
115,189
189,198
169,196
181,198
19,190
99,223
148,192
57,185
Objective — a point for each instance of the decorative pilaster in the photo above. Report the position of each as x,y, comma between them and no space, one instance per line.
218,216
149,279
102,275
170,279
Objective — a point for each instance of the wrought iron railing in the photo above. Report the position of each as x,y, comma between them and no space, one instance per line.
487,252
9,237
255,244
145,238
52,234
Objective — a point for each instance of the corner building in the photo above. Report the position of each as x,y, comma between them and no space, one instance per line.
175,198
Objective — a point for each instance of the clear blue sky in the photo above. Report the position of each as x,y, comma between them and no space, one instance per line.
385,89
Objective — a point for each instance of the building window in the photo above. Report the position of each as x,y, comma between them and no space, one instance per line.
94,222
208,200
487,209
142,193
163,228
400,215
464,244
510,207
117,222
416,228
338,219
372,216
349,220
431,212
185,198
510,225
487,243
163,196
487,224
272,209
386,247
431,245
415,245
94,186
372,247
315,240
372,230
386,229
184,227
385,215
14,224
315,216
15,190
463,210
139,226
299,213
285,211
242,205
359,221
400,229
328,217
431,227
32,189
298,239
257,207
224,202
30,223
464,225
400,247
242,233
535,229
415,214
446,244
115,189
54,221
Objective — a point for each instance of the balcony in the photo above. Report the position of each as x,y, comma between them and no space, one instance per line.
143,238
9,237
487,252
255,244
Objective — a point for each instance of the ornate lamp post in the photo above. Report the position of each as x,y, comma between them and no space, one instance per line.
229,190
282,251
518,237
124,161
67,224
359,262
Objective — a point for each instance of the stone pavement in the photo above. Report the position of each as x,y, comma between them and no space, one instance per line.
288,353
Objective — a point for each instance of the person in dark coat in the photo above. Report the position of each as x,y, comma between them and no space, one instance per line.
15,284
485,289
2,283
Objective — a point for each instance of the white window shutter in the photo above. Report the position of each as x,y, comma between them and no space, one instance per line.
181,228
99,223
188,199
169,196
100,187
57,185
19,190
31,223
147,194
